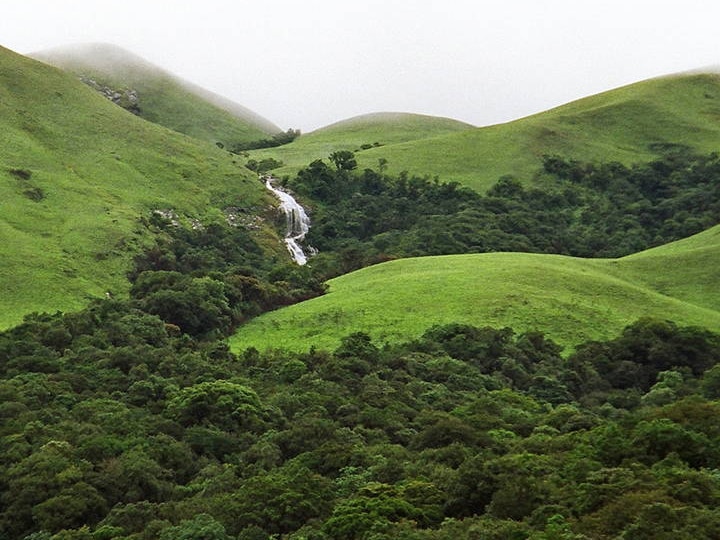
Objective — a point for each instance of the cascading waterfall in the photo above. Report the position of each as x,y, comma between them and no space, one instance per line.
298,223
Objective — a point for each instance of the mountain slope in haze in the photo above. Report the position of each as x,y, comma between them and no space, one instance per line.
159,96
571,299
629,124
77,173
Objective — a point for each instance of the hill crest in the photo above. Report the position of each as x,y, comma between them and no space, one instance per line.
629,124
383,118
163,97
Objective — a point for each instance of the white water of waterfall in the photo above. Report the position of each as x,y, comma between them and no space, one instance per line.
298,223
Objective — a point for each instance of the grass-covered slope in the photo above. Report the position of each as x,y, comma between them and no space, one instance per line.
628,124
570,299
688,269
161,97
379,130
77,173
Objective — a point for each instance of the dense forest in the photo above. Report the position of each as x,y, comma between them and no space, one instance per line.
117,425
132,419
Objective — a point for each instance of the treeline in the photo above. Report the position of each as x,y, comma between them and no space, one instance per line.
115,425
208,279
572,208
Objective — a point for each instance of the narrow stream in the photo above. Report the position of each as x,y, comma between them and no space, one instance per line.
298,223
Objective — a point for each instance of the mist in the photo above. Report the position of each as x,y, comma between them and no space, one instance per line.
308,64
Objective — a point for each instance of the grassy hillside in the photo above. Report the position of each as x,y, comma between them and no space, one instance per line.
570,299
687,269
380,129
628,124
161,97
77,173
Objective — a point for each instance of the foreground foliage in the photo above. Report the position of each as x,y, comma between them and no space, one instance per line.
117,425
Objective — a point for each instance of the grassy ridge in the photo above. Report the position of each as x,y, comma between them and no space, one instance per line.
386,129
570,299
627,125
163,98
76,174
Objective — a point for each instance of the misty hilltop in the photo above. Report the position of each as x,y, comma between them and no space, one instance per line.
630,124
158,95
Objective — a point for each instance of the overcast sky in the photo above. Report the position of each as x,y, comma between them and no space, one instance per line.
307,63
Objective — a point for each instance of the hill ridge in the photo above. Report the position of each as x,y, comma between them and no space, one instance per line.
387,116
108,64
629,124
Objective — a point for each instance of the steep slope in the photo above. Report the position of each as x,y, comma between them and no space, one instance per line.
629,124
570,299
76,175
159,96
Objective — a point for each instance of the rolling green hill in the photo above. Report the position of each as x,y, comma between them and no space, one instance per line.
629,124
159,96
76,175
570,299
379,130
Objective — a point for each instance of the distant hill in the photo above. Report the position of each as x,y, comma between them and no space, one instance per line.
359,134
630,124
159,96
77,174
571,299
390,127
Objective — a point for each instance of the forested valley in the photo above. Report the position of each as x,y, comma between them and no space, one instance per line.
570,208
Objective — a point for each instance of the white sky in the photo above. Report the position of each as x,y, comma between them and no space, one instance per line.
307,63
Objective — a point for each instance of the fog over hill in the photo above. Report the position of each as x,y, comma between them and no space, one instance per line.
110,65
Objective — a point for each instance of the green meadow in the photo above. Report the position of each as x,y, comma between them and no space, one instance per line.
630,124
77,173
572,300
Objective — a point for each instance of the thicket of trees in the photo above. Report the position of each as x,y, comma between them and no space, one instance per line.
207,280
279,139
573,208
361,218
115,425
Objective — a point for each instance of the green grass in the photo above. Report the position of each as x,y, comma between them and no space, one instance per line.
386,129
99,169
163,98
623,124
570,299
